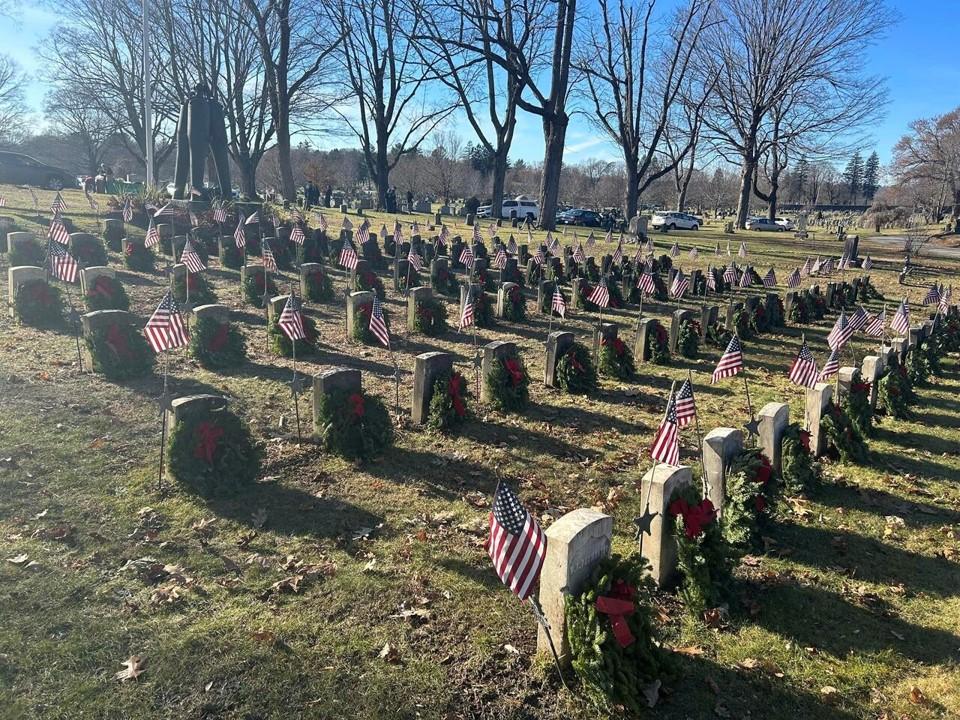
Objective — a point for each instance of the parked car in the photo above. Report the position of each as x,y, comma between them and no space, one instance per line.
520,207
762,223
675,221
579,216
785,223
18,169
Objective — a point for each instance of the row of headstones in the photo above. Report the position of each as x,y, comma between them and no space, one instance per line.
834,296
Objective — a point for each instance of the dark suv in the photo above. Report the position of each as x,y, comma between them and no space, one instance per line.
577,216
17,169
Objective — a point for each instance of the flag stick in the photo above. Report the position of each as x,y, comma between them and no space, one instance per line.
74,316
696,418
542,620
746,387
163,422
293,385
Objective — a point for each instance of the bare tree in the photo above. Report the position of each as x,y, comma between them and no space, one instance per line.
89,124
681,140
11,99
389,80
807,54
633,86
930,153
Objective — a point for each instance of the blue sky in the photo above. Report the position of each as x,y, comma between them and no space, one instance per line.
918,58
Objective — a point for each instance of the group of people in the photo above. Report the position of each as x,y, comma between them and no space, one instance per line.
311,195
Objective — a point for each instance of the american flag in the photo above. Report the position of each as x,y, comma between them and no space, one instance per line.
512,246
269,259
362,233
164,211
297,235
679,286
694,253
127,210
517,545
296,216
62,264
730,275
578,254
191,259
558,303
742,252
933,295
476,232
746,279
240,234
443,236
466,312
841,332
383,232
58,205
877,324
165,329
711,280
638,255
253,219
416,262
466,258
858,320
322,222
666,443
806,269
398,233
803,372
153,235
815,268
220,215
609,236
645,281
686,406
553,245
538,257
58,231
348,254
500,260
770,279
901,319
832,366
591,240
944,305
378,325
492,230
844,262
867,263
827,267
731,362
600,295
291,320
617,259
793,280
675,250
346,224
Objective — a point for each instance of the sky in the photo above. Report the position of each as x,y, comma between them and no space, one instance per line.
918,59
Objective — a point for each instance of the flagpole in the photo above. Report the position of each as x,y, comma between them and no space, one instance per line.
164,401
696,417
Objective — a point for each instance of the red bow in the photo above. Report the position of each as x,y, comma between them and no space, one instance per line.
513,367
455,389
117,341
102,287
695,517
356,405
805,439
209,435
574,362
618,604
219,338
764,472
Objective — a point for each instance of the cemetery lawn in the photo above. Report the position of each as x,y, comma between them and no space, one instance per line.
364,591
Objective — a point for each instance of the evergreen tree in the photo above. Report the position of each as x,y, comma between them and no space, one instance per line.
871,176
853,176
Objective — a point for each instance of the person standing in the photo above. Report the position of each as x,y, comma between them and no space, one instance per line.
327,194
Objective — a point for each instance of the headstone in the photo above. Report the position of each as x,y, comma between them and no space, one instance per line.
646,340
851,246
900,346
306,270
165,230
847,377
575,301
708,317
492,353
677,319
774,419
830,295
733,312
331,379
17,276
401,266
218,313
772,301
557,344
426,368
817,401
275,307
113,232
362,267
18,238
356,300
575,544
720,446
92,321
545,296
872,370
503,298
415,296
180,406
660,548
606,332
88,276
789,300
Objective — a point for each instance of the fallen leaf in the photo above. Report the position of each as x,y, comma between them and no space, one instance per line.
749,663
691,650
390,654
916,696
264,636
19,559
511,649
133,668
829,693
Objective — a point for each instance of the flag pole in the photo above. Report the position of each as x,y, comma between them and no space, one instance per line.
696,418
164,403
542,620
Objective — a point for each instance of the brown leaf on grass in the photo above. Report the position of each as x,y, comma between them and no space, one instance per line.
204,526
916,696
264,636
715,617
829,693
245,539
690,650
390,654
749,664
132,669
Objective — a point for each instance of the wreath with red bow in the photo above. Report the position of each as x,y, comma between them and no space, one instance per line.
138,257
353,424
39,304
106,293
448,403
318,287
895,393
430,317
802,309
361,324
614,358
212,452
759,322
253,280
367,280
508,384
799,470
575,372
857,406
88,250
844,440
216,344
443,281
658,351
200,291
119,351
749,495
282,346
688,338
703,558
515,306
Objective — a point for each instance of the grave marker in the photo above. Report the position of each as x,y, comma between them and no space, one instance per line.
774,419
720,446
426,368
659,549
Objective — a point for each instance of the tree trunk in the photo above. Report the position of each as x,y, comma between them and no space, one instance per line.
746,187
248,176
499,177
382,176
772,207
554,135
631,193
287,188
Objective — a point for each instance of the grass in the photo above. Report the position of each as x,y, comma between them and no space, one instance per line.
847,597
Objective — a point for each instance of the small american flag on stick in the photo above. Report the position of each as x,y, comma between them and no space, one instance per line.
832,366
666,443
220,215
933,295
675,250
62,264
793,280
770,279
416,262
153,235
240,234
466,312
877,324
679,286
291,320
58,205
600,295
297,235
191,259
731,362
517,545
348,254
165,329
841,332
803,372
646,282
378,324
58,231
269,259
686,406
578,254
558,303
901,319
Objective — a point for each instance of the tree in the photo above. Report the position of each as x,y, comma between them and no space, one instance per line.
930,153
11,99
871,177
88,123
633,90
389,80
787,70
853,176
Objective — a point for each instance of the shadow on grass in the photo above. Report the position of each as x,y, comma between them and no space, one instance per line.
869,500
866,559
492,432
402,465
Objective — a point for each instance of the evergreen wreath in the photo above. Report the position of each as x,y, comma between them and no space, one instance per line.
515,307
29,252
895,393
217,344
509,384
818,306
703,557
616,297
353,424
281,345
759,322
614,653
367,280
688,338
443,281
718,335
933,349
230,255
412,282
546,298
448,403
843,437
200,291
799,470
361,324
615,359
658,351
213,453
743,324
482,310
802,309
918,367
39,304
575,373
485,280
584,290
857,406
750,493
318,286
313,248
663,264
138,257
430,317
253,286
88,250
593,272
950,333
513,274
119,351
660,288
106,293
